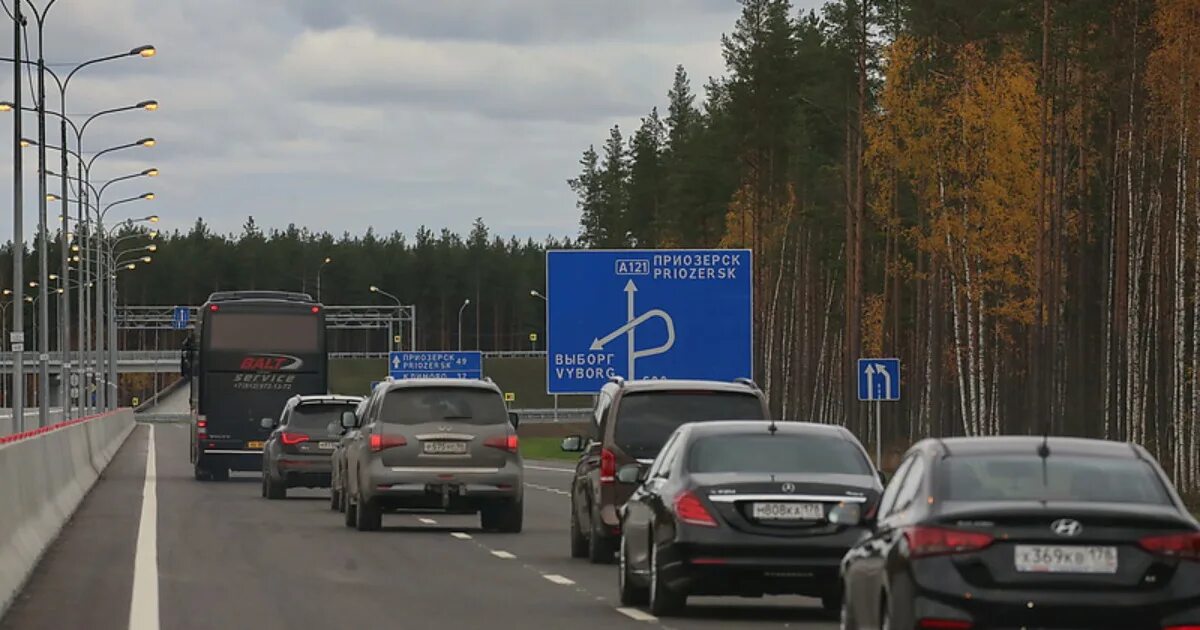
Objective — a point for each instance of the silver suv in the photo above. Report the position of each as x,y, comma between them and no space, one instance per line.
301,441
434,444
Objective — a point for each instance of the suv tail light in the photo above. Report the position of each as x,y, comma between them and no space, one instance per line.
608,467
292,439
944,624
1184,546
690,510
384,442
202,428
932,541
508,443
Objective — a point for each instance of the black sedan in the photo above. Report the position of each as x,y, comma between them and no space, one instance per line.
1026,532
744,508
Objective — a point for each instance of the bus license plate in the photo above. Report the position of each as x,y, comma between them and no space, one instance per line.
788,511
254,445
1065,559
445,448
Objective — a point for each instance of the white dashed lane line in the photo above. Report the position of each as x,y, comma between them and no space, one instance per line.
503,554
637,615
558,579
428,521
547,489
549,469
461,535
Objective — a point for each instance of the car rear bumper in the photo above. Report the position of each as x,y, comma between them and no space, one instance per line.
1152,606
789,567
449,488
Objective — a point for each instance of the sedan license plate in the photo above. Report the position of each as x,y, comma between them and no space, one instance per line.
787,511
327,446
254,445
1065,559
445,448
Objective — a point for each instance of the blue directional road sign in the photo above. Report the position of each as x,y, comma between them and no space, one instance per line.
180,317
410,364
879,379
647,314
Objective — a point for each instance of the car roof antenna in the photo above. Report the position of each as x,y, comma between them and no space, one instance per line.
771,427
1044,452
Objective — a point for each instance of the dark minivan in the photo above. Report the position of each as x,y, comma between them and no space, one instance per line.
631,422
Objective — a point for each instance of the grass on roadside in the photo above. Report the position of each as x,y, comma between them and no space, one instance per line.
545,448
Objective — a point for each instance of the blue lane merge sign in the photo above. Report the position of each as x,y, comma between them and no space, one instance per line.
647,314
408,364
879,379
181,316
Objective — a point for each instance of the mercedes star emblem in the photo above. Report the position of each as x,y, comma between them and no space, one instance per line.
788,487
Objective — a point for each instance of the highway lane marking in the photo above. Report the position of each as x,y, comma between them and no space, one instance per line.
547,489
503,554
428,521
549,468
143,607
558,579
637,615
461,535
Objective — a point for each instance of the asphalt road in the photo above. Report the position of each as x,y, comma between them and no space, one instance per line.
230,559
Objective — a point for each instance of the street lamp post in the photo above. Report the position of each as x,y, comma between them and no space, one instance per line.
18,347
319,269
535,293
412,332
465,303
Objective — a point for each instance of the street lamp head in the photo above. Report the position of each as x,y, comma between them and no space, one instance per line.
153,234
152,247
146,259
61,290
33,284
328,260
146,142
466,301
26,142
75,248
149,105
53,276
144,51
8,292
52,197
153,219
131,266
29,299
148,196
374,289
6,106
75,259
150,172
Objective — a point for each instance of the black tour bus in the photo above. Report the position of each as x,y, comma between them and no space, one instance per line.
250,352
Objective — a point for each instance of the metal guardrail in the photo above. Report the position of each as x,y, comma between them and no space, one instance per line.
553,415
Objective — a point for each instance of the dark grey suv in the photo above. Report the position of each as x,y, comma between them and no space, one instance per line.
439,444
301,441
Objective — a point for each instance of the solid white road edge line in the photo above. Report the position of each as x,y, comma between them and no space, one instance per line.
503,554
636,614
461,535
558,579
562,470
143,608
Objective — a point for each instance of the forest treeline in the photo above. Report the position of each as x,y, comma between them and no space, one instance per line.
435,271
1004,194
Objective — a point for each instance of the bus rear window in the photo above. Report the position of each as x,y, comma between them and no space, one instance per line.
263,332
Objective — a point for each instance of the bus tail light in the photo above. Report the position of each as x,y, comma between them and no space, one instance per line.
201,428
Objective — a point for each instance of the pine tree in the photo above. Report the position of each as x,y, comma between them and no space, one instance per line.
614,192
646,182
586,187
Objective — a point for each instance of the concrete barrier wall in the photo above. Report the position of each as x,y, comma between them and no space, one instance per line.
44,475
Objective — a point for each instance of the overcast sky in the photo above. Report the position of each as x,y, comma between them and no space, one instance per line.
340,115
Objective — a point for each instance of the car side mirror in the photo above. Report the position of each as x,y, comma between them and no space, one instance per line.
629,473
845,514
572,444
267,423
349,420
514,419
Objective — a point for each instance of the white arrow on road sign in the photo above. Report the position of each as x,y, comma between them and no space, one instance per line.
882,370
631,325
396,362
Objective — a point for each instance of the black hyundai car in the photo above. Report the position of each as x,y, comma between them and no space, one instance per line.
744,508
1026,532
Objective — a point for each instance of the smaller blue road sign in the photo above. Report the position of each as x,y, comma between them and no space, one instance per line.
408,364
879,379
181,316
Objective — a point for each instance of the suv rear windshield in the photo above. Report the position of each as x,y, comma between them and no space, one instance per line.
317,417
1057,478
462,405
776,454
645,420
